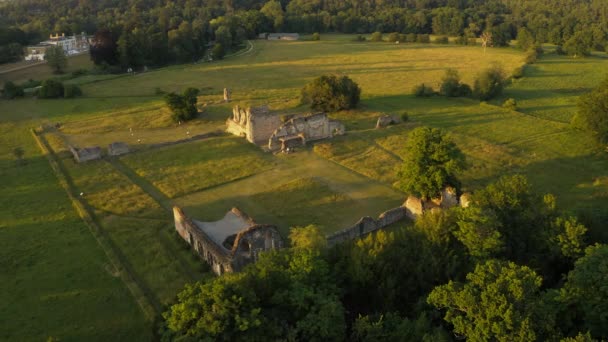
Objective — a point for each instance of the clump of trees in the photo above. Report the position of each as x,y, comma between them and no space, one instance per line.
489,83
11,91
183,107
51,89
422,90
432,162
592,113
451,85
331,93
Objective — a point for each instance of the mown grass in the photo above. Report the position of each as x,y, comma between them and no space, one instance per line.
41,72
186,168
55,280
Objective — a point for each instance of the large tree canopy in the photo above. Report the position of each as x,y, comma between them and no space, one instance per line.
592,114
432,162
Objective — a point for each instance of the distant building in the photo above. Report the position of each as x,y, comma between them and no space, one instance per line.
71,45
283,36
82,155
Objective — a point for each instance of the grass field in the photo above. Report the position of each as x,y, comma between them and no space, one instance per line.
57,274
40,72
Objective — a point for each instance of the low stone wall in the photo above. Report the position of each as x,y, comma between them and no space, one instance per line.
367,225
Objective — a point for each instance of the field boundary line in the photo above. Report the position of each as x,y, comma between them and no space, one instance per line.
150,307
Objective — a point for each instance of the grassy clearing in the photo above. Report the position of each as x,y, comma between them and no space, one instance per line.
200,164
302,189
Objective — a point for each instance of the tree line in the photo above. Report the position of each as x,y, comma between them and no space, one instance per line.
161,32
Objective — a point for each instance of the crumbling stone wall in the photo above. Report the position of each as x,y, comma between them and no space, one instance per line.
310,128
255,124
244,247
85,154
367,225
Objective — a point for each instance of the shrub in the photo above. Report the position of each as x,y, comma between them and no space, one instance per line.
404,117
518,72
393,37
11,90
71,91
359,38
422,90
31,84
423,38
531,56
411,37
79,72
510,104
489,83
465,90
559,50
442,40
376,36
331,93
217,52
461,40
316,36
51,89
183,106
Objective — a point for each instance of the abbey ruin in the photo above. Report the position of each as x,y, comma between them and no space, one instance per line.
262,127
229,244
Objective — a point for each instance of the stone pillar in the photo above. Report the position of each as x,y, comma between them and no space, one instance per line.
227,94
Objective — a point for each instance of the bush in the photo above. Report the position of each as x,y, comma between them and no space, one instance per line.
559,50
422,90
376,36
423,38
461,40
31,84
359,38
79,72
411,37
11,90
217,52
531,56
442,40
51,89
518,72
71,91
489,83
510,104
183,106
316,36
393,37
404,117
331,93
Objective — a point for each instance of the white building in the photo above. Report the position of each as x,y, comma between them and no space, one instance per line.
71,45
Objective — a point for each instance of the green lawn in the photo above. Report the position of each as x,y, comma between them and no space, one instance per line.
53,270
41,71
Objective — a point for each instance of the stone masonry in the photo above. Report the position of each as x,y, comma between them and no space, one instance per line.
229,244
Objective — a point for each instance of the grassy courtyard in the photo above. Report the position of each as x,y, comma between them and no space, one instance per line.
56,273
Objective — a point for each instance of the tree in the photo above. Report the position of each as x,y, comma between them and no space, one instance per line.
500,301
218,52
592,113
579,45
316,36
489,83
50,89
56,59
274,12
183,106
392,327
451,86
309,237
479,232
431,163
525,40
104,48
11,90
331,93
376,37
586,294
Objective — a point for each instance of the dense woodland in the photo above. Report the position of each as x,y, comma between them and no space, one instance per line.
160,31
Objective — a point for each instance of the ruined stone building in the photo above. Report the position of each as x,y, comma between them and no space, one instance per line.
261,127
85,154
229,244
118,148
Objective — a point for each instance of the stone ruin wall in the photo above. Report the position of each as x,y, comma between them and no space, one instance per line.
255,124
245,249
412,208
312,127
207,250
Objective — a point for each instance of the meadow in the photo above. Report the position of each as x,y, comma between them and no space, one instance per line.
56,272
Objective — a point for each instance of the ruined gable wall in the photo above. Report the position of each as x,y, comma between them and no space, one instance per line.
260,127
367,225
